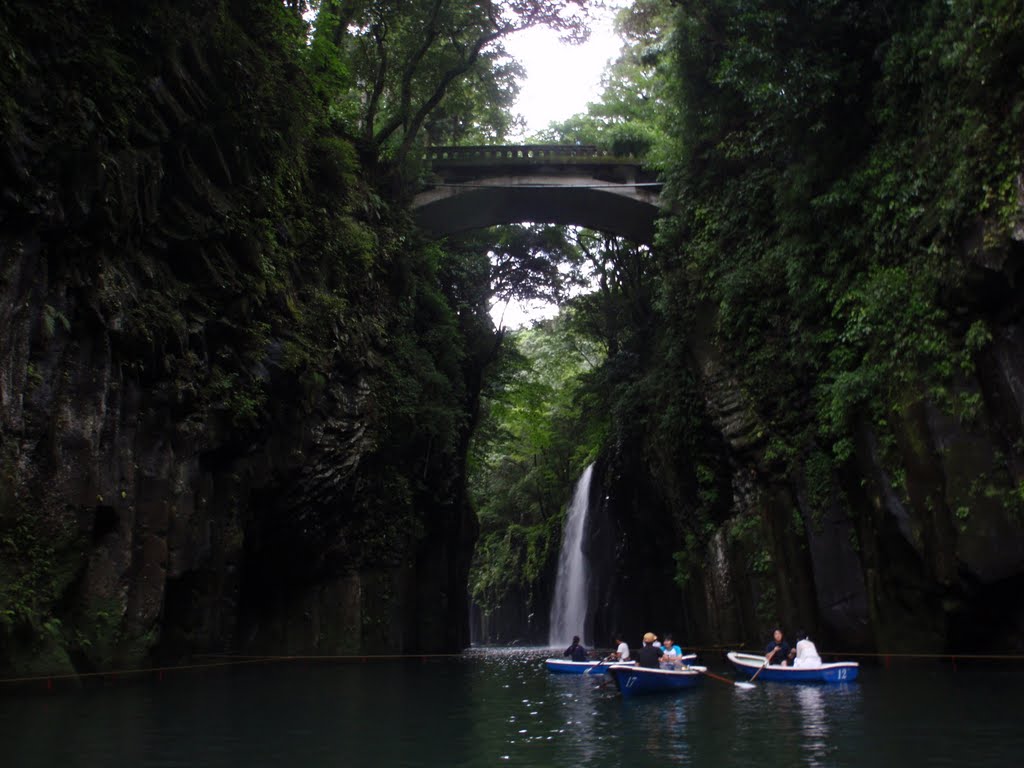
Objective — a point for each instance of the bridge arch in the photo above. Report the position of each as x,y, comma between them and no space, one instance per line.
476,187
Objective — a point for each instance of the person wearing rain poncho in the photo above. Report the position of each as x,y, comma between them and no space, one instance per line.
806,652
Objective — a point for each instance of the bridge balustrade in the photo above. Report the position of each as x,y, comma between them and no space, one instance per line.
523,153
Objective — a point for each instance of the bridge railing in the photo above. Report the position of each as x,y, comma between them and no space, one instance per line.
524,153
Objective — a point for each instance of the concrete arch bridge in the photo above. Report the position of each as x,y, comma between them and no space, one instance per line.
474,187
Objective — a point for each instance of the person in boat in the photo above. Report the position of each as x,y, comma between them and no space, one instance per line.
621,652
650,655
672,653
806,651
576,652
778,651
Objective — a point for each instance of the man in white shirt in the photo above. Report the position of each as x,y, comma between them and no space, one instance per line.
621,653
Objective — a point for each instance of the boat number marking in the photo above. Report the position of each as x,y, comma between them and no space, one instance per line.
842,674
630,680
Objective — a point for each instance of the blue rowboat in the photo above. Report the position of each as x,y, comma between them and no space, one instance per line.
750,663
564,667
633,681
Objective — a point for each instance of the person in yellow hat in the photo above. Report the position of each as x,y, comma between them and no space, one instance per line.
650,655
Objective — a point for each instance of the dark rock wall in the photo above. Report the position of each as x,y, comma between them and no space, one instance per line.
207,441
915,543
631,543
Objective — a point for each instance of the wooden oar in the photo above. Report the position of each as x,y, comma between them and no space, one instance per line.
727,681
759,671
606,683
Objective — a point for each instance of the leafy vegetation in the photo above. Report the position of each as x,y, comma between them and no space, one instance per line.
827,176
536,435
420,68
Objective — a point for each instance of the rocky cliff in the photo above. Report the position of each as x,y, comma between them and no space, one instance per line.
233,402
914,543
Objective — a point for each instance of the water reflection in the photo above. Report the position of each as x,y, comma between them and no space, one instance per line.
667,733
500,708
574,720
813,723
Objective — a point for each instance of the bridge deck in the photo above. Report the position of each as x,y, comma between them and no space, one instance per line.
475,187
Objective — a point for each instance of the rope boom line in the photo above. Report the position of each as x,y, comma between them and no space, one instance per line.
228,660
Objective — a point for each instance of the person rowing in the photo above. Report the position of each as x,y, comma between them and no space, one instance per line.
778,650
621,652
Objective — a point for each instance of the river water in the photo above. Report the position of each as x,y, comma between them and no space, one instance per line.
496,708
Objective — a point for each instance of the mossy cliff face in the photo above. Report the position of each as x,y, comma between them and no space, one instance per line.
832,413
222,423
916,543
912,541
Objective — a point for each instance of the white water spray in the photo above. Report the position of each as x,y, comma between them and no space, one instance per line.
572,585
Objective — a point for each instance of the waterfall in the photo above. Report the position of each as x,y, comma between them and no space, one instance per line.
572,585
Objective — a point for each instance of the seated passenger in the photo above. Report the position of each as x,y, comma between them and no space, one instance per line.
649,656
672,653
806,652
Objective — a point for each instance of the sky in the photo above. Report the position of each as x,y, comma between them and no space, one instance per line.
560,80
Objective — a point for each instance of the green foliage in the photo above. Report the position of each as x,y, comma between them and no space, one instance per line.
632,139
424,67
527,262
477,109
532,443
335,165
38,558
687,560
824,202
818,475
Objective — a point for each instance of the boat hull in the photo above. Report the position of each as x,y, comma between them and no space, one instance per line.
748,664
563,667
636,681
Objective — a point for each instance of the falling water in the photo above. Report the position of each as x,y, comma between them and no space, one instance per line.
569,607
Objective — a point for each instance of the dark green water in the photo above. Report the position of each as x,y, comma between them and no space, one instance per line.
501,708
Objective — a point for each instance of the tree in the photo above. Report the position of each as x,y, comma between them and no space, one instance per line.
620,275
408,56
633,113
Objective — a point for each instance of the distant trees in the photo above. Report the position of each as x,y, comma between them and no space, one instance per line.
427,64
